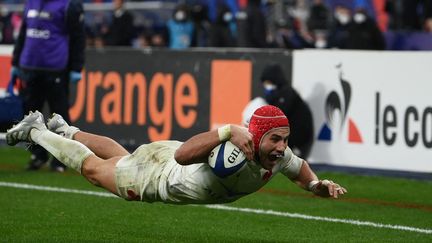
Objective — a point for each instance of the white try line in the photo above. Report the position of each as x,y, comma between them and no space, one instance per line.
318,218
229,208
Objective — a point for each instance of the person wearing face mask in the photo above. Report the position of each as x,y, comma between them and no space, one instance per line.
363,33
338,33
222,30
180,28
279,92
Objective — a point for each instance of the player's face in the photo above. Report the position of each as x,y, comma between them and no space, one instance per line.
273,146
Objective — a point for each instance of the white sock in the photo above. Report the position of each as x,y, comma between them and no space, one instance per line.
71,153
70,132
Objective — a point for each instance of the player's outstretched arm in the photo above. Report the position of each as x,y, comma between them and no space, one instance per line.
308,180
197,148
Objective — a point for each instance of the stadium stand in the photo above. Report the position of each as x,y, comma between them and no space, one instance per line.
405,25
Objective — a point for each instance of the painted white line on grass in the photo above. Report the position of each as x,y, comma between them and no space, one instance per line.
55,189
318,218
228,208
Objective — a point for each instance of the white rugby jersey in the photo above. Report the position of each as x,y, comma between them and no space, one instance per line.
196,183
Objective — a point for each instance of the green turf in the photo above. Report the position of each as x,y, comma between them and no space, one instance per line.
41,216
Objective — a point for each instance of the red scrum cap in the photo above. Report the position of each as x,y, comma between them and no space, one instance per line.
265,119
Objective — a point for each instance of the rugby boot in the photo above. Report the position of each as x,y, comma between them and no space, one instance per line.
21,131
58,125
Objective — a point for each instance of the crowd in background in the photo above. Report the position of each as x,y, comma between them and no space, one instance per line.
291,24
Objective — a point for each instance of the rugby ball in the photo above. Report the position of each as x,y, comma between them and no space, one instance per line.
226,159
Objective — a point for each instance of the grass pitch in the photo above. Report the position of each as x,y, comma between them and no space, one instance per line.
376,209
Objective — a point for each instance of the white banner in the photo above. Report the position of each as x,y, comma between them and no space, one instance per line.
371,109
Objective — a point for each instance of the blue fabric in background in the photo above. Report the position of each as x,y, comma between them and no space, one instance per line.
408,41
354,4
11,107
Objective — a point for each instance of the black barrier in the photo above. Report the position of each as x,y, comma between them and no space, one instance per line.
138,96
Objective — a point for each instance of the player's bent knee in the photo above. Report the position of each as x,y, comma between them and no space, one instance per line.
89,171
95,170
101,173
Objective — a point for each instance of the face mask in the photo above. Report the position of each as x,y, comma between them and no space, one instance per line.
343,18
180,16
227,17
359,18
320,43
269,88
4,12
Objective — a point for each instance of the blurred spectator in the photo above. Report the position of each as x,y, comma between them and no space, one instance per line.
96,25
222,30
158,40
394,9
90,36
428,25
279,92
99,42
309,22
16,21
142,41
282,35
320,39
213,7
338,33
415,12
318,16
159,37
289,36
201,25
251,23
286,35
6,29
363,33
121,30
300,13
180,28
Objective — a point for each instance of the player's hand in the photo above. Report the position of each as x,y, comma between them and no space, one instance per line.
74,76
242,138
327,188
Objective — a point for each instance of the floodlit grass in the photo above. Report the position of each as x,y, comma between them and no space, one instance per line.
42,216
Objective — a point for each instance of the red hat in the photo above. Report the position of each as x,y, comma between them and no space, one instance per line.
265,119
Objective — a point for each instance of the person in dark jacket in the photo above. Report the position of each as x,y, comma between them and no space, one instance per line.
222,32
364,34
338,31
319,16
279,92
121,30
252,30
48,54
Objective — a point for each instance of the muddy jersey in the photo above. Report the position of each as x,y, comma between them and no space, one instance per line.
153,172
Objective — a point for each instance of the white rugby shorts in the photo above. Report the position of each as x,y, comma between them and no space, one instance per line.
138,174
